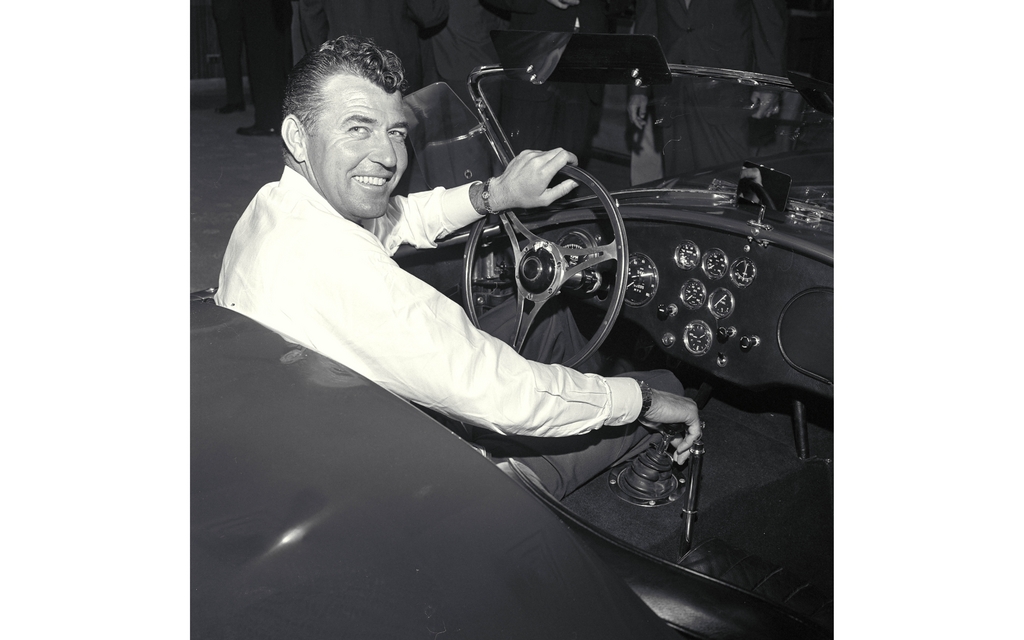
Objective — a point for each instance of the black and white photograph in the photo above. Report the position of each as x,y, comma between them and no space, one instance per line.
510,319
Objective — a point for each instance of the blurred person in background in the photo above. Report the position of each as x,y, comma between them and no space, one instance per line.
746,35
227,14
400,26
266,25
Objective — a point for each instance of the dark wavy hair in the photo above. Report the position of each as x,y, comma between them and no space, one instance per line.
361,57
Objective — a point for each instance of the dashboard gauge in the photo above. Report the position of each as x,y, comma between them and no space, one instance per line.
576,239
715,264
721,303
642,282
687,255
693,293
743,272
697,337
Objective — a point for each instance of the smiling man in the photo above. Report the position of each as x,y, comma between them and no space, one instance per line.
310,258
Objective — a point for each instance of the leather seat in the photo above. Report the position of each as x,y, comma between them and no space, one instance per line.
717,559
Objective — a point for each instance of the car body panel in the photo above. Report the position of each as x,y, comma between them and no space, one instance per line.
324,506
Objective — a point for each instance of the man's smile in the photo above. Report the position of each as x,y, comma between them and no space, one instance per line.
371,180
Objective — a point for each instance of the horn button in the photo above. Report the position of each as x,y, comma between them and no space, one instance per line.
537,269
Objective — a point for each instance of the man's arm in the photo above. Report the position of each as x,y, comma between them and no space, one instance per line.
421,218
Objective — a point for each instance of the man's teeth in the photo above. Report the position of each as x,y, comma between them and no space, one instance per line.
377,182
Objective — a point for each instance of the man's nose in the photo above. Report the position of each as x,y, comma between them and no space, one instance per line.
384,152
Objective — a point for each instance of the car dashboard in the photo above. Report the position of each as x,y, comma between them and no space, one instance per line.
750,305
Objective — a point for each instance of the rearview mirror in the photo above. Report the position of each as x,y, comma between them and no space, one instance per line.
761,185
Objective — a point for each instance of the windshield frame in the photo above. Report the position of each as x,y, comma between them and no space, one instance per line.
500,143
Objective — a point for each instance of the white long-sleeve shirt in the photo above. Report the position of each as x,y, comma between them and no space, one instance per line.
319,280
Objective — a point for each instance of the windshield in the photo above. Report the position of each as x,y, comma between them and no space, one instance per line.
697,131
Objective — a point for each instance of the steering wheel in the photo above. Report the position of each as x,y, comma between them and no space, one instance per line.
542,267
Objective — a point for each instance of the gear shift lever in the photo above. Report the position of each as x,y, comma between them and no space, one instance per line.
648,481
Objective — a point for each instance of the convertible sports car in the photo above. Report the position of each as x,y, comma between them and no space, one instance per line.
323,506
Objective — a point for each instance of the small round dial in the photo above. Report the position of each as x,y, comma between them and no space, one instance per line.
687,255
697,337
693,293
576,239
715,263
742,272
643,280
721,303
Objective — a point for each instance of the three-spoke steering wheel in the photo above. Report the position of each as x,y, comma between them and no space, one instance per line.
542,267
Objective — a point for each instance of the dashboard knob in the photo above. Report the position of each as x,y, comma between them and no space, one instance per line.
724,333
668,339
666,311
749,342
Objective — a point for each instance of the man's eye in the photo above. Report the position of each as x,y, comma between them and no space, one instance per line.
401,135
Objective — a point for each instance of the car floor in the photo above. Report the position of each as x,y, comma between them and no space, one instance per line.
755,494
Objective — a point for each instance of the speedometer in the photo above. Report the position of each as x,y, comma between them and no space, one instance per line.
643,280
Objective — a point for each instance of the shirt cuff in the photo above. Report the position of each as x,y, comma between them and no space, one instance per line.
626,401
458,209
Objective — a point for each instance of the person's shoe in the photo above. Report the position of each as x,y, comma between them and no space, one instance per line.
231,107
256,131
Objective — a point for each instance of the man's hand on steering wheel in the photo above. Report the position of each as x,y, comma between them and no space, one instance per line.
669,408
524,183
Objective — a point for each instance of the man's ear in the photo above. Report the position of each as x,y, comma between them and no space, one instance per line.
294,136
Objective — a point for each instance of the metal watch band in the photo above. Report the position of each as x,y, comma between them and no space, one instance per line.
485,195
646,397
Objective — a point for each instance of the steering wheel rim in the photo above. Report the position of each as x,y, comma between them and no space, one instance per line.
537,258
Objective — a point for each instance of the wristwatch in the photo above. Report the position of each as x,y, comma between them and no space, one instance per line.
485,195
646,397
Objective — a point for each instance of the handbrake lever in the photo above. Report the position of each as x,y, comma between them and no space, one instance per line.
689,514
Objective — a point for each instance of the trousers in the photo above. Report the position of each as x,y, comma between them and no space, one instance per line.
565,464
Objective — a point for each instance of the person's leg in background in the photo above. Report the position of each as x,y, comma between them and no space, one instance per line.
227,14
268,46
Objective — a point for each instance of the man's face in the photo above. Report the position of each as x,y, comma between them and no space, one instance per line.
356,153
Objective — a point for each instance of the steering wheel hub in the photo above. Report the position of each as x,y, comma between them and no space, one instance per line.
537,266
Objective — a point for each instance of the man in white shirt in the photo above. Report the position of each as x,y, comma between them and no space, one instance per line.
311,259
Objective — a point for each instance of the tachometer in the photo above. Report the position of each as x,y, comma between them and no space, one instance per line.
721,303
715,263
687,255
697,337
743,272
693,293
576,239
643,280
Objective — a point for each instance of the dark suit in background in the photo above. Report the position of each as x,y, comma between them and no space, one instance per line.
268,48
547,116
465,43
227,14
393,24
746,35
